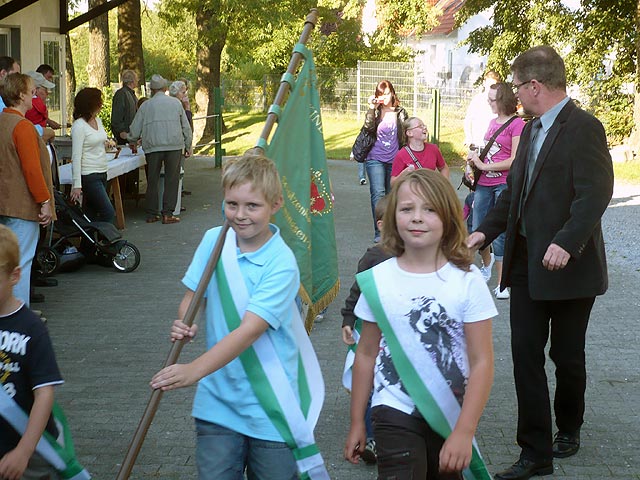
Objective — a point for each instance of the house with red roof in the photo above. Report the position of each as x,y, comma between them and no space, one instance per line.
443,61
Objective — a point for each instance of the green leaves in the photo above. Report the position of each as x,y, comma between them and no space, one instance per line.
597,41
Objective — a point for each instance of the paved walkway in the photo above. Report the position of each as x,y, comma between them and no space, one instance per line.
110,333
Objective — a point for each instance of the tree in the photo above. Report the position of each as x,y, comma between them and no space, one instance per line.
130,55
598,40
70,79
254,32
98,67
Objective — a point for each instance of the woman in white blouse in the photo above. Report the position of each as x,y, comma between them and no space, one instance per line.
88,139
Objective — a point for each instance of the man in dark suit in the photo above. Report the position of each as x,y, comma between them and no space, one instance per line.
559,185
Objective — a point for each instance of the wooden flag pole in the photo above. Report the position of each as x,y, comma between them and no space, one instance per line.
283,90
174,353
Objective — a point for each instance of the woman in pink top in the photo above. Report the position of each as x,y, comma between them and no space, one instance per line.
495,168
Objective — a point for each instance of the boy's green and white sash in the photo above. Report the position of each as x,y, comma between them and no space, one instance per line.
294,419
347,373
62,458
426,386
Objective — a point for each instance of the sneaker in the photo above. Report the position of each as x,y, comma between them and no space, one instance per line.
486,269
319,318
363,181
501,295
369,454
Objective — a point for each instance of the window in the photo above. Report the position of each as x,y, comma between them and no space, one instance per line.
5,42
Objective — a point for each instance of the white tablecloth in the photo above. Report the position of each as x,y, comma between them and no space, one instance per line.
125,162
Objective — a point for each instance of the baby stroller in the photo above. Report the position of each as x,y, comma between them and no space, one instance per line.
101,242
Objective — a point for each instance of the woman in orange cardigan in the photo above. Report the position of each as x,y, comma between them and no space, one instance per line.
26,192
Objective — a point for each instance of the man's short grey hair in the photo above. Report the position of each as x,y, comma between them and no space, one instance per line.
128,77
543,64
176,87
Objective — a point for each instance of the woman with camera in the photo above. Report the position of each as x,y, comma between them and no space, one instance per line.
502,138
383,124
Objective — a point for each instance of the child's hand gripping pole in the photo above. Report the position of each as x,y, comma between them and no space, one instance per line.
174,353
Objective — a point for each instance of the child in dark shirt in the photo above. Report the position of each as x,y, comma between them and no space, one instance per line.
373,256
29,375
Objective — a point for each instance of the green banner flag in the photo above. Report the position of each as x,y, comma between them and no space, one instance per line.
306,218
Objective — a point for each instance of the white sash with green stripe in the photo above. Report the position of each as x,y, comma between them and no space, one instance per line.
294,419
62,458
347,373
426,386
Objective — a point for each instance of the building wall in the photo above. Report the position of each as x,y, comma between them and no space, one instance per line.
444,61
42,16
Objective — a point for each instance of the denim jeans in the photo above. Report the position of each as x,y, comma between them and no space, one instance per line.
483,201
223,454
379,174
361,171
28,233
95,200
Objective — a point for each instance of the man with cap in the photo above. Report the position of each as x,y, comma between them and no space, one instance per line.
162,125
39,115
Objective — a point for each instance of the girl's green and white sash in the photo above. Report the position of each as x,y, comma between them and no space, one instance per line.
426,386
61,457
294,419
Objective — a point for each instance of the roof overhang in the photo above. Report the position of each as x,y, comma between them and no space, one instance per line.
66,25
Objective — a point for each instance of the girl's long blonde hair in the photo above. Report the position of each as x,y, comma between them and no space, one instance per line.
435,189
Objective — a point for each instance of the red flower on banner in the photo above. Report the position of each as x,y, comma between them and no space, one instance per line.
317,202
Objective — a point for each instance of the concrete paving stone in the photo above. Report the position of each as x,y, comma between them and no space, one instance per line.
110,332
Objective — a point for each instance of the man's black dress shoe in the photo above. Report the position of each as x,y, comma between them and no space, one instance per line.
44,282
524,469
566,444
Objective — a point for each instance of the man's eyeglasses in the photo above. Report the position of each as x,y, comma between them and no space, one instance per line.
516,87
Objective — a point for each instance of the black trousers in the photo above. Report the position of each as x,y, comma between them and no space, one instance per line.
533,322
407,448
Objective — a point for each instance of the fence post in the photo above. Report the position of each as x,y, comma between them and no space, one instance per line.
415,88
217,130
358,92
435,131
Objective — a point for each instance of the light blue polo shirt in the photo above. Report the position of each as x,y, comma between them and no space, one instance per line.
271,275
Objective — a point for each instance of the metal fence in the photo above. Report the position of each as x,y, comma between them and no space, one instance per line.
346,91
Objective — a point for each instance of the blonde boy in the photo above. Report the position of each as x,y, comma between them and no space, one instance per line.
234,432
25,347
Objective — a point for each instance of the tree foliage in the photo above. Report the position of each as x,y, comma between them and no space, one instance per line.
598,41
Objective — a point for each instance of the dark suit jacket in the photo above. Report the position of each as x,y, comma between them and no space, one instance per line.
571,186
123,109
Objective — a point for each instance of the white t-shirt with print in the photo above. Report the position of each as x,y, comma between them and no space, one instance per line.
436,306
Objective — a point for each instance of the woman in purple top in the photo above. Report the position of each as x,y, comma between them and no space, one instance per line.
384,120
495,168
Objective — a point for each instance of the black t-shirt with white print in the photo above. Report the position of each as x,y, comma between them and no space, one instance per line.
27,362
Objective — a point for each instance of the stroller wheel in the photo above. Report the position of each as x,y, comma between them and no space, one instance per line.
47,261
127,257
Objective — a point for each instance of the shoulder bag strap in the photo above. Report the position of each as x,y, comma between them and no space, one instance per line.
486,148
413,157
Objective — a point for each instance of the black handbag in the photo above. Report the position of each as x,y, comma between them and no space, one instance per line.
363,145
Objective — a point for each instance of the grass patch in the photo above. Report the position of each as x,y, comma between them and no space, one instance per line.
627,172
340,131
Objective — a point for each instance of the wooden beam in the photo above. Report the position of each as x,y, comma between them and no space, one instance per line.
14,6
66,25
